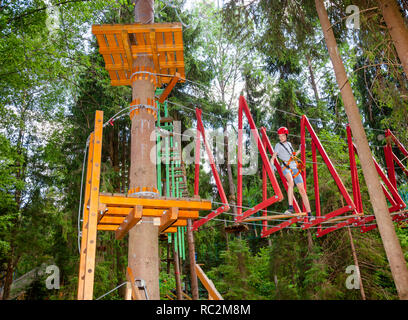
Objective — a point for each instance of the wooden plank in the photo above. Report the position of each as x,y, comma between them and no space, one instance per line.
133,28
118,211
172,65
179,54
168,38
152,37
278,216
344,218
131,279
180,223
81,276
129,222
208,284
124,211
128,51
111,220
170,230
169,87
162,55
93,207
107,227
155,203
186,295
116,67
167,219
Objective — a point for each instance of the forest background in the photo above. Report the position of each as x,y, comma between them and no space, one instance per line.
52,79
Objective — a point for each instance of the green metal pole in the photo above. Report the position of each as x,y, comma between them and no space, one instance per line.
158,153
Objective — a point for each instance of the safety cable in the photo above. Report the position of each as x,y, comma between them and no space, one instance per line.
119,115
111,290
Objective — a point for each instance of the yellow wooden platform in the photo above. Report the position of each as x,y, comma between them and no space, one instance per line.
120,212
121,44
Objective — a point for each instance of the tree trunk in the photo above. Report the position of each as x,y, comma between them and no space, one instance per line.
191,252
353,250
385,225
312,80
177,270
143,254
397,29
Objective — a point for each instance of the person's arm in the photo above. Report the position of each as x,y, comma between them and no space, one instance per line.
275,154
297,153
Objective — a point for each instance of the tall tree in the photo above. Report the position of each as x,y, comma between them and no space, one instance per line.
377,197
397,28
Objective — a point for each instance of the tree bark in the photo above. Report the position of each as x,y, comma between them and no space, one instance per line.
191,252
385,225
397,29
353,250
312,80
143,254
177,270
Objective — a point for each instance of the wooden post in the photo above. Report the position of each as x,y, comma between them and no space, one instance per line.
89,250
191,252
135,290
81,277
353,250
386,228
177,269
143,254
213,293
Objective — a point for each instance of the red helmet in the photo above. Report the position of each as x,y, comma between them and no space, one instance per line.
283,130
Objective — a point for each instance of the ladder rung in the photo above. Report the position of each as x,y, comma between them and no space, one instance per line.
167,119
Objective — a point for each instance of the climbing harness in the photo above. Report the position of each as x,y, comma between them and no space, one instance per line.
299,164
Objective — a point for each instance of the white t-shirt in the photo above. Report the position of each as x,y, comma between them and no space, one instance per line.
284,155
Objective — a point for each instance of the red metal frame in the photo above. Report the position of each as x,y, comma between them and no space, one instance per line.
243,107
265,231
316,144
390,157
391,194
225,206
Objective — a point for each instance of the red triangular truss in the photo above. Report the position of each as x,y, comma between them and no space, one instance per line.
392,195
225,206
243,107
349,207
265,230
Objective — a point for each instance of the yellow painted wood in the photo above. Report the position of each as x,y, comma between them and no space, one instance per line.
208,284
81,276
129,222
167,219
163,42
123,201
107,227
124,211
170,230
131,279
93,207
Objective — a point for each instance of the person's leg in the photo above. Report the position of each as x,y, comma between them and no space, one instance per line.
304,196
289,179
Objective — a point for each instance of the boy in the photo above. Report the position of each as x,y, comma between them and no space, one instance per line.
284,151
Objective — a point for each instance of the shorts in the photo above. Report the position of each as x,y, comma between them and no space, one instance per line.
296,180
